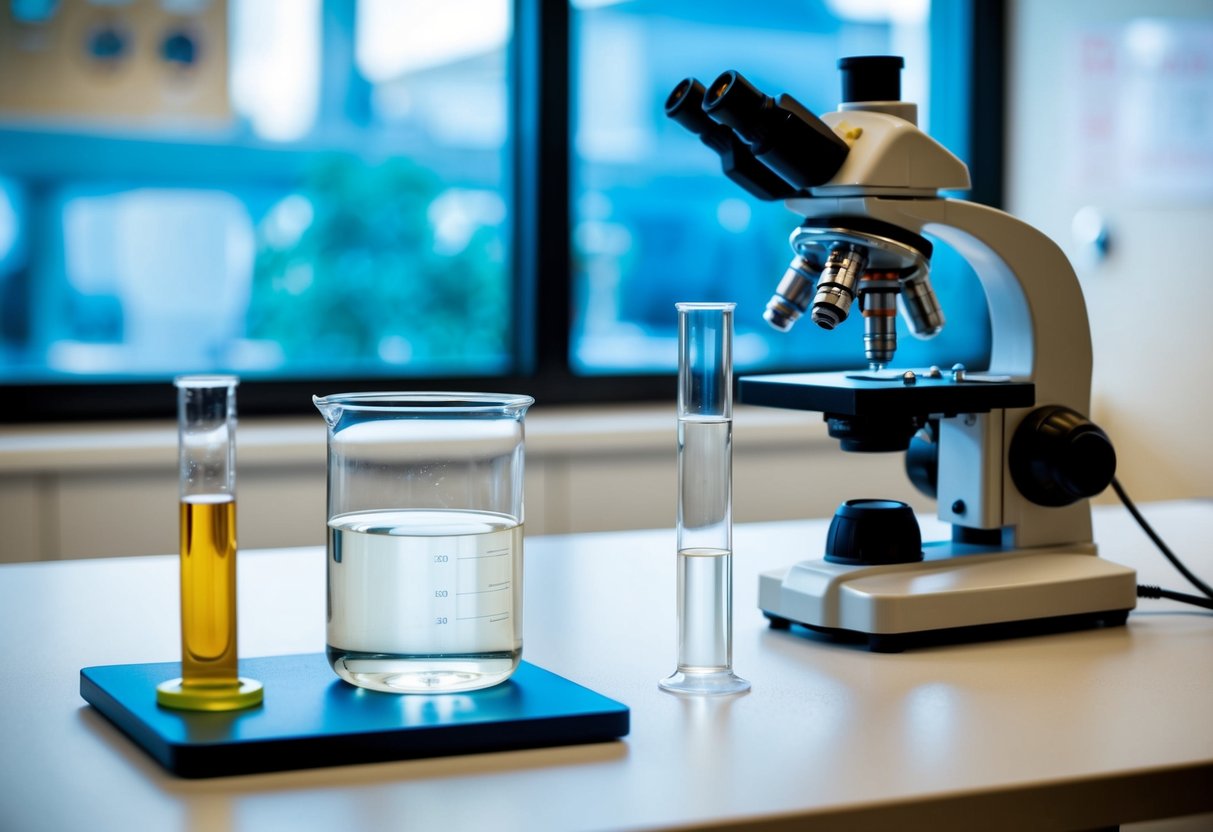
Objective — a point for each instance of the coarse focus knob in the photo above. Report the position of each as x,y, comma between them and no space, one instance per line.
868,532
1058,456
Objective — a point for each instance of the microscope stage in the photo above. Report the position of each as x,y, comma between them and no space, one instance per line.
858,393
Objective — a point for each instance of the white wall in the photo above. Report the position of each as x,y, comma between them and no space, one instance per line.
1149,300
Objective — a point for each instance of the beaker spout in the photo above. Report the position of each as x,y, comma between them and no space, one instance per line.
330,410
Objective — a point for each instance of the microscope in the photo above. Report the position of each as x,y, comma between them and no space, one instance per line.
1008,453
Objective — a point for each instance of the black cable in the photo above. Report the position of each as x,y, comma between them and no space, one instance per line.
1147,591
1162,547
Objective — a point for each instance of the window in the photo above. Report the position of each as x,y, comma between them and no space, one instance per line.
655,222
354,194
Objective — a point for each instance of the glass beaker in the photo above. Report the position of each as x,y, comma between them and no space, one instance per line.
425,514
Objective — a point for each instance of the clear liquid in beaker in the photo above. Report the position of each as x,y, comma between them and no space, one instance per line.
424,600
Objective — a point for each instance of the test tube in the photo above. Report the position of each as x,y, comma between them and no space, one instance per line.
206,450
705,502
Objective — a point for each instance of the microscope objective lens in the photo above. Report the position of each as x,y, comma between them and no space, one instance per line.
792,296
920,307
878,291
837,286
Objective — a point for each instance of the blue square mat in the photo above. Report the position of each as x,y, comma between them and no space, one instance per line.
311,718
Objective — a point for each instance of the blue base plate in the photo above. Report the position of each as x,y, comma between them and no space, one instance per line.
311,718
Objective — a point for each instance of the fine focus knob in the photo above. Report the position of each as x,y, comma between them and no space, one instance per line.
1058,457
868,532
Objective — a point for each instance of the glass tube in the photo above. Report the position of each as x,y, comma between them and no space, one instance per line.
206,448
705,502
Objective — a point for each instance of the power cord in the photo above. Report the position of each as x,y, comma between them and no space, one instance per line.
1145,591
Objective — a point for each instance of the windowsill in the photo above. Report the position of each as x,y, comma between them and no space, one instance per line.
583,429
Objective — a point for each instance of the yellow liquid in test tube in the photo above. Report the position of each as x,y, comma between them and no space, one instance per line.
206,453
208,591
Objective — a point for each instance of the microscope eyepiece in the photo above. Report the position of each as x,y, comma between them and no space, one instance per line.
871,78
735,102
782,134
685,105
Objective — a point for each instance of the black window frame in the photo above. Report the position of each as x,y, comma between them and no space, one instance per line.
542,265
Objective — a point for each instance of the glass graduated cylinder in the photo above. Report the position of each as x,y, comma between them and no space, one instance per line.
704,603
705,544
705,460
424,600
705,502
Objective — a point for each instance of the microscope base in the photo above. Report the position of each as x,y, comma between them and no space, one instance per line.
948,597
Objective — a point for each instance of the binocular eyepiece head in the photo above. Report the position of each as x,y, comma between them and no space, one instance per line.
780,136
783,134
752,131
685,106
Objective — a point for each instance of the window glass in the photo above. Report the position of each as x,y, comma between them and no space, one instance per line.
279,188
325,189
656,222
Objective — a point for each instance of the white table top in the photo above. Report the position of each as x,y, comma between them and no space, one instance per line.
1063,731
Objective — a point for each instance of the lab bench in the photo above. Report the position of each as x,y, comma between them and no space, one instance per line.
1072,730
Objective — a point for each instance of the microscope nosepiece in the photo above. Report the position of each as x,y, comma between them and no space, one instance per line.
837,286
792,296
